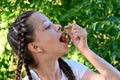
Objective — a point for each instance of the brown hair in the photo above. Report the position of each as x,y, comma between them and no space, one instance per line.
19,35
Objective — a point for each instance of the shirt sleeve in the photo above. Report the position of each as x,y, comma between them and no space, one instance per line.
77,68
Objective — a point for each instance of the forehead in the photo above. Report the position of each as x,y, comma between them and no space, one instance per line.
38,19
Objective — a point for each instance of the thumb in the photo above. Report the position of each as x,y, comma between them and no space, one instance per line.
68,32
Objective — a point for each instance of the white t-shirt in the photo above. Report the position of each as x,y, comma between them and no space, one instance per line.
77,68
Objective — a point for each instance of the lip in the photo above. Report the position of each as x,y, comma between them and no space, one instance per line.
61,34
65,40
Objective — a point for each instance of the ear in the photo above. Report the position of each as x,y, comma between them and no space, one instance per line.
33,47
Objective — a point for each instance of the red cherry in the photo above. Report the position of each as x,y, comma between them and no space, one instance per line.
63,39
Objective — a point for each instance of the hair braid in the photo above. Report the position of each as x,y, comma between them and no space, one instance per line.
28,71
66,69
21,43
20,34
19,69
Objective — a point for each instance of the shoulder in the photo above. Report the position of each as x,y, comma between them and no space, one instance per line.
77,68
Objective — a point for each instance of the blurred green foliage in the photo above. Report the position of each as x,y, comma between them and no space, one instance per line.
101,18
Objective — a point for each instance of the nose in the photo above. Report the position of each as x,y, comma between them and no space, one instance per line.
58,27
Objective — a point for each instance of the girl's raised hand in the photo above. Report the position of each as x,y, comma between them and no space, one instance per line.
78,36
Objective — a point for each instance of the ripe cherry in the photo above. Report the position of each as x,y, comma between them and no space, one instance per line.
63,39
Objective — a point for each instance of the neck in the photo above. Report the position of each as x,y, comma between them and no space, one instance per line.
48,69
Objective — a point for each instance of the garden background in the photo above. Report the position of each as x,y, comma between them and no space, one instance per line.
101,18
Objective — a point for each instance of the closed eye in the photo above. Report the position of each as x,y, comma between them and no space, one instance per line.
48,27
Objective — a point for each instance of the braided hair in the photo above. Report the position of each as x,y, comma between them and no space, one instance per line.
19,36
66,69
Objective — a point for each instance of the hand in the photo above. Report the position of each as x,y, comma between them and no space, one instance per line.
78,36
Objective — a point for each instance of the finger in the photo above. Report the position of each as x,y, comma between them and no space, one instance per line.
81,31
68,26
76,34
69,32
73,27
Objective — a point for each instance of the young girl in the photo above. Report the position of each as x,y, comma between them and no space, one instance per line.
39,45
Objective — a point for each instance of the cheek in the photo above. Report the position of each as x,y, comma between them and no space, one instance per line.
51,37
49,40
49,44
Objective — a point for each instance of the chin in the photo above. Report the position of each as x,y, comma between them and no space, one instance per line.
62,54
65,51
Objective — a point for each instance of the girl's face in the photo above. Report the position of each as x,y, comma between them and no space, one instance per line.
47,35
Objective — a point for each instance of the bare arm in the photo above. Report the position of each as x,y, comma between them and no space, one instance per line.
106,70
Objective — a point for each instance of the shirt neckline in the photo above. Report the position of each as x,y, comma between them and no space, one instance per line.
36,75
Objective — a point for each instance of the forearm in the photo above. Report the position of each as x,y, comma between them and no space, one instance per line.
79,38
104,68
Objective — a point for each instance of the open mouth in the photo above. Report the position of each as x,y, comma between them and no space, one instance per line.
63,39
